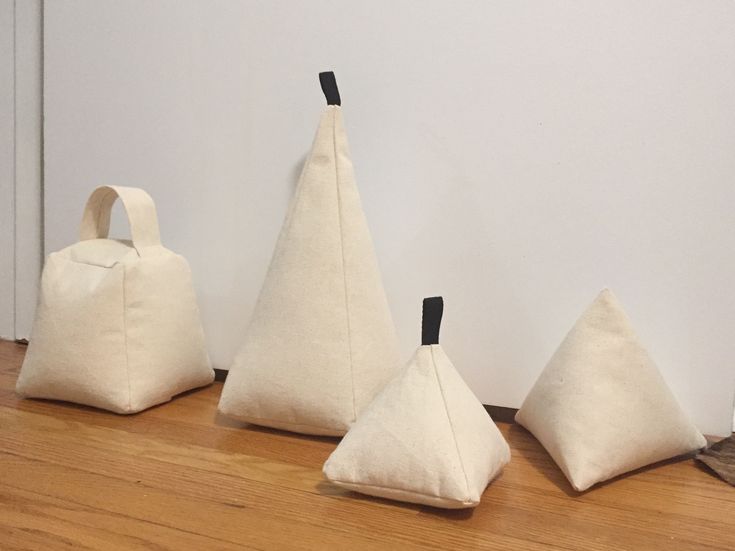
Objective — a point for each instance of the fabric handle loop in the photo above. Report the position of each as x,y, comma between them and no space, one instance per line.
431,320
329,87
139,206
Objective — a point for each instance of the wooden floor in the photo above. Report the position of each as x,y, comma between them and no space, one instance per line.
181,477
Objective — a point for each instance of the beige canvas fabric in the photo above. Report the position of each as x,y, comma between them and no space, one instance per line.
321,342
424,439
117,325
600,407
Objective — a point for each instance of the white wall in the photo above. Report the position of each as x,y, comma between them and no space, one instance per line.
515,157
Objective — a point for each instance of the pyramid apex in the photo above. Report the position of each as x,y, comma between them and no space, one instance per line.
608,300
606,294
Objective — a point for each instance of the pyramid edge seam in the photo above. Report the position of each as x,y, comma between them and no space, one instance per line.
344,265
451,424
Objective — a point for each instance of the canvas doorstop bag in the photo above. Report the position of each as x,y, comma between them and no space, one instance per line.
117,324
321,341
425,438
601,407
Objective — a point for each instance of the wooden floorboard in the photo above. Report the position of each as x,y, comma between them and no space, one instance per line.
179,476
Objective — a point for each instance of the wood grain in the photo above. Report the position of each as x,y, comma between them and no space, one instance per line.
179,476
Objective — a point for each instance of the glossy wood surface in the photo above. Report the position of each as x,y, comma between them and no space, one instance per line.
179,476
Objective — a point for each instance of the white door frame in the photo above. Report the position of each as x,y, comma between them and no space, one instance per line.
21,163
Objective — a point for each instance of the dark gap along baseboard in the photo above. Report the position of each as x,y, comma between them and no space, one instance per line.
498,413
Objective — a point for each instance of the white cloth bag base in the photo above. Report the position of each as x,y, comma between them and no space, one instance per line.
117,324
321,341
600,407
425,438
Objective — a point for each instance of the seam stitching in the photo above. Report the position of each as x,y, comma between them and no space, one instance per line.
379,487
261,421
125,329
449,418
344,268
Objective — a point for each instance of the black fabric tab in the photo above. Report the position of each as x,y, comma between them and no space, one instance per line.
431,320
329,87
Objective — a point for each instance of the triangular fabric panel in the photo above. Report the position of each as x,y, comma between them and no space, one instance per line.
600,407
424,439
321,342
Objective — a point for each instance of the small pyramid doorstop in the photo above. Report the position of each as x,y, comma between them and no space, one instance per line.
600,407
425,438
321,342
